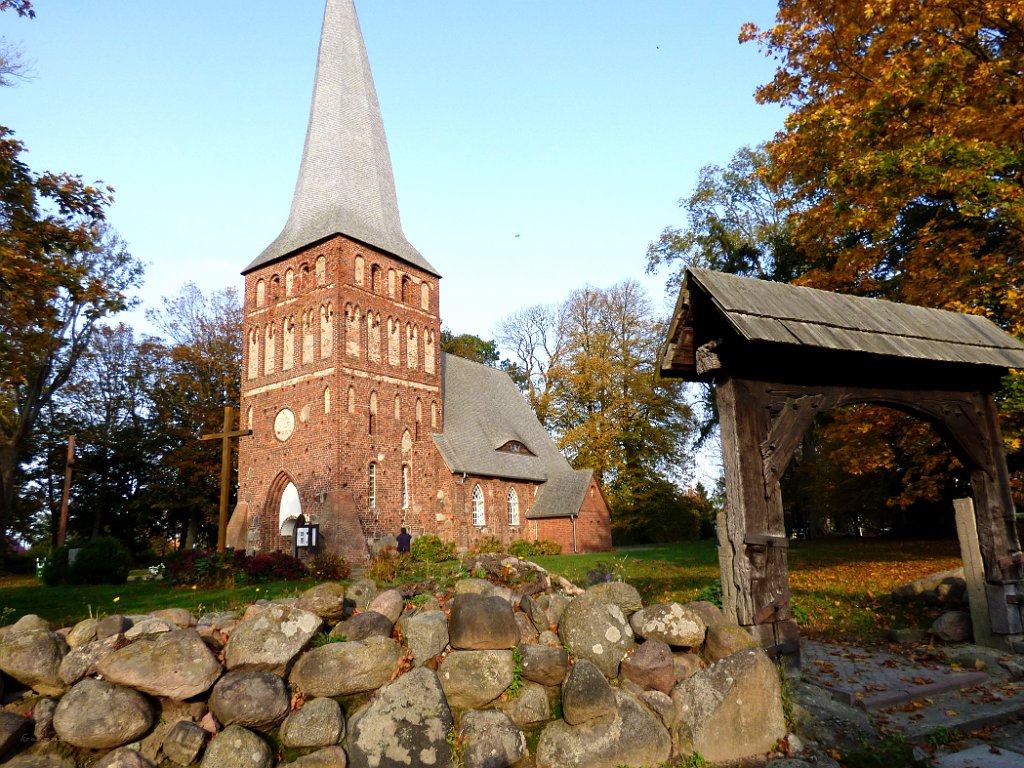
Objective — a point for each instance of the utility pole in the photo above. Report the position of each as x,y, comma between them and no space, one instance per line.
225,471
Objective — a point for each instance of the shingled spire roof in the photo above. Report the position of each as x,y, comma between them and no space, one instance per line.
345,181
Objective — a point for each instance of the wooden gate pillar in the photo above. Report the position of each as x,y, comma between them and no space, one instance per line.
752,555
997,530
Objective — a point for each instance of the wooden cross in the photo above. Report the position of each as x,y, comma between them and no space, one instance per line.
225,471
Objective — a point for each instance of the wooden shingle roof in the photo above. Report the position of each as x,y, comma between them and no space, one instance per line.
767,313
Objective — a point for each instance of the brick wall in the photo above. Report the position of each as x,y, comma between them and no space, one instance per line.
310,349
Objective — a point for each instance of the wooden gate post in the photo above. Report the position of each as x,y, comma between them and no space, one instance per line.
755,559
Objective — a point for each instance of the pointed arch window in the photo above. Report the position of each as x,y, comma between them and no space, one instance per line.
373,413
360,268
398,407
479,518
405,486
513,507
371,486
351,399
419,417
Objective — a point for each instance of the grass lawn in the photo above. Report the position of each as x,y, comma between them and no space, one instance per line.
841,587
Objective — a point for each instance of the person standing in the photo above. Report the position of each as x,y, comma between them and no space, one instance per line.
404,542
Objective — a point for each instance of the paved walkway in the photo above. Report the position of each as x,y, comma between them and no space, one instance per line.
966,696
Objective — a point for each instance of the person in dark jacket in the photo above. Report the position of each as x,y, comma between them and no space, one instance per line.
404,542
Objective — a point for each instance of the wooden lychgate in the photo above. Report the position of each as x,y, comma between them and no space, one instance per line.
778,355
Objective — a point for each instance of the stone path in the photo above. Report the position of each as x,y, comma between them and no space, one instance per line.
970,697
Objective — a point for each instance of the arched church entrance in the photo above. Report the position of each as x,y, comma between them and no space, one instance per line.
282,511
778,355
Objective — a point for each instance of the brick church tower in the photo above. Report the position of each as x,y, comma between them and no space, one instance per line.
360,424
341,380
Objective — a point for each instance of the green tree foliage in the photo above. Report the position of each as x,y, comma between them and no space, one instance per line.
592,372
470,347
61,272
736,221
201,355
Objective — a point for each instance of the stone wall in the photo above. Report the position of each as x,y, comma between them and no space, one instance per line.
513,670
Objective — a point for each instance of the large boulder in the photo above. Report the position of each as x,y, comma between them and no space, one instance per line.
671,623
185,742
174,665
482,623
40,760
97,714
237,747
536,614
471,679
33,658
632,736
530,706
617,593
13,729
82,633
586,694
491,739
83,659
326,600
425,634
596,631
953,627
318,723
731,710
270,640
341,669
651,667
544,664
726,639
182,618
363,625
406,724
124,757
328,757
256,700
388,603
359,594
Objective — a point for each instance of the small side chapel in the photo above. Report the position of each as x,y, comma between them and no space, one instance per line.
360,424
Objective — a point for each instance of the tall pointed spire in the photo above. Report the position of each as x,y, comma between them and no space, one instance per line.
345,181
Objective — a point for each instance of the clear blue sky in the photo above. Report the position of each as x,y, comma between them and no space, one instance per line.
537,145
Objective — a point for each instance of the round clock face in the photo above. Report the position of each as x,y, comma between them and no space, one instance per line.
284,424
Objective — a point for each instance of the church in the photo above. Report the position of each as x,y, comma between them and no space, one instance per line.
360,424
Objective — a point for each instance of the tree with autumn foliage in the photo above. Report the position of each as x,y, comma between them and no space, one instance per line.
201,356
904,150
588,367
62,270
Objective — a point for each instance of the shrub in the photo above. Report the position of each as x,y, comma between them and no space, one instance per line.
430,549
271,566
55,569
489,544
388,566
103,560
523,548
193,567
330,567
21,563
